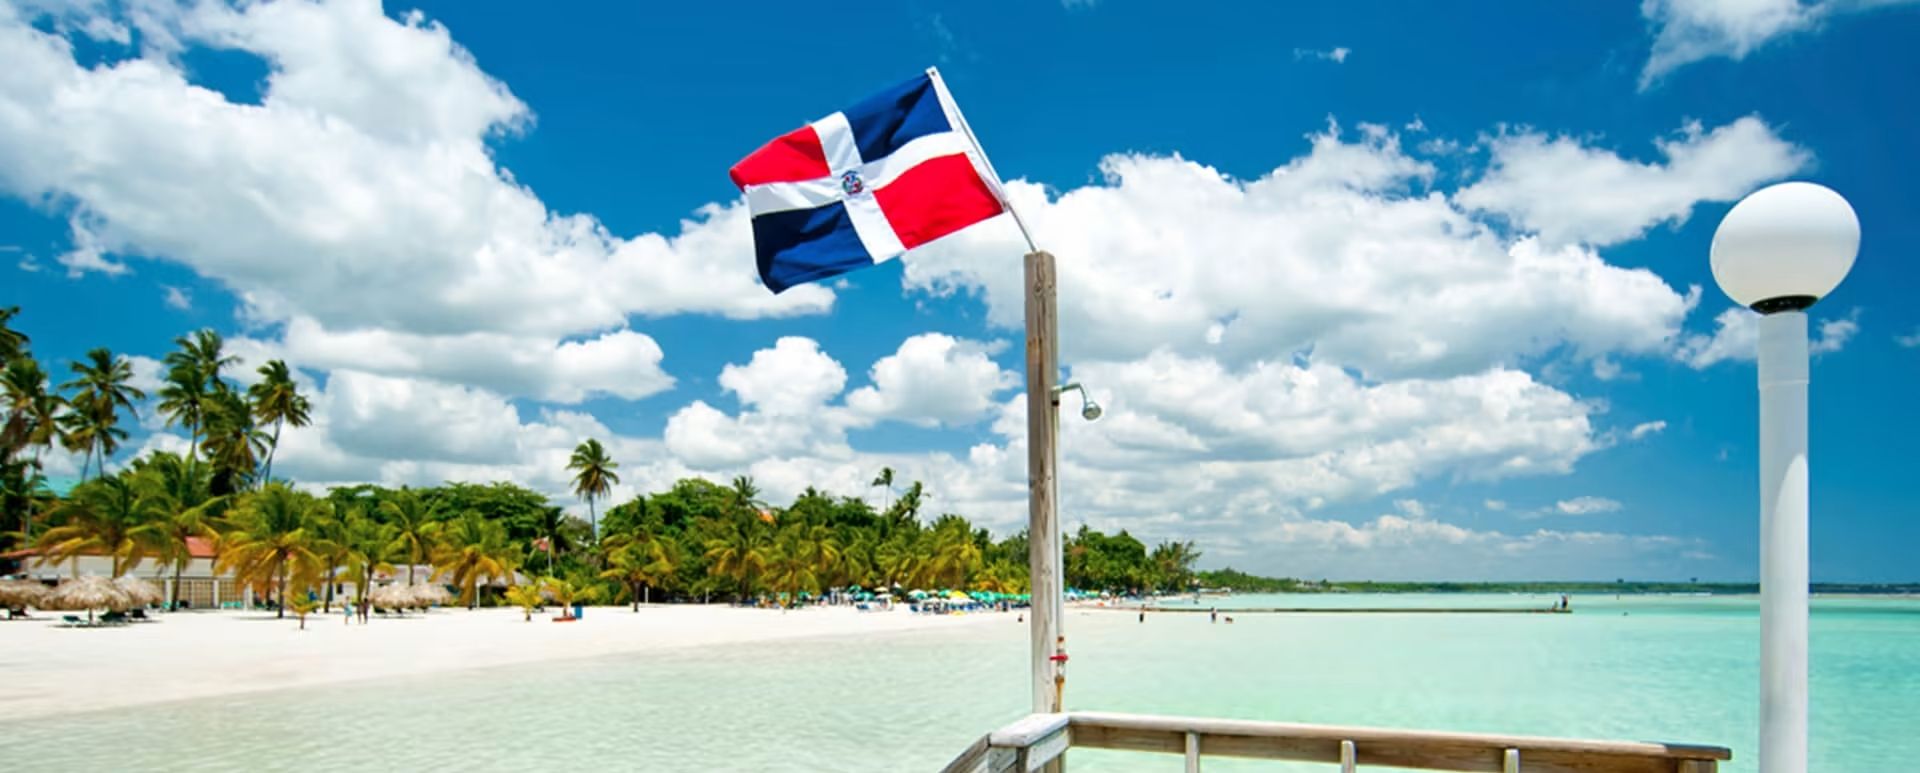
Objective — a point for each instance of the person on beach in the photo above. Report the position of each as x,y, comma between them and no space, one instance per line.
1143,615
346,614
1213,615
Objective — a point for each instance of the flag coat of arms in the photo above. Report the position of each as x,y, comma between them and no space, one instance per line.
865,184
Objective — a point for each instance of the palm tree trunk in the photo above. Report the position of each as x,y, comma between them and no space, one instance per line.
267,474
327,606
636,597
178,567
280,609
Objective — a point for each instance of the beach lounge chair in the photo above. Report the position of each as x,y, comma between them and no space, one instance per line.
18,614
72,621
114,618
140,615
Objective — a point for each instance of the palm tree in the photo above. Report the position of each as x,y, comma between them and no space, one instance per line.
955,555
551,529
793,562
183,401
277,400
33,412
103,516
272,541
885,478
13,343
182,507
739,552
368,547
414,527
565,593
103,389
594,478
234,444
642,565
193,377
473,547
527,597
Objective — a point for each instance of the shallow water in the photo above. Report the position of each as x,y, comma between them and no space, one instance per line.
1647,668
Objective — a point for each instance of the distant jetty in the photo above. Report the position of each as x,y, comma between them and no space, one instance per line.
1360,610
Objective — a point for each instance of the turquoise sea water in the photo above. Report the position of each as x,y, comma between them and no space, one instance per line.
1643,668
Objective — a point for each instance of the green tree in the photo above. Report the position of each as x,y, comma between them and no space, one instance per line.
641,565
193,378
885,478
739,552
272,541
13,343
33,411
277,401
181,508
103,516
234,444
102,390
527,597
471,548
368,547
414,527
593,478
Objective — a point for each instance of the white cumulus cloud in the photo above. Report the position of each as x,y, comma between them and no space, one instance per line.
1688,31
1570,192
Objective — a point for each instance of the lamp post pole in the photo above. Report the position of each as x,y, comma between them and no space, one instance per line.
1783,542
1779,251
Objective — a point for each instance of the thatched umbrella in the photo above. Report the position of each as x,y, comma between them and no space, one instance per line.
140,592
20,594
89,593
390,597
429,595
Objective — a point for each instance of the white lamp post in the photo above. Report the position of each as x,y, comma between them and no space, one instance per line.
1779,251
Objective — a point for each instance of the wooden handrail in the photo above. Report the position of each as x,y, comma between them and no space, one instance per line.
1032,742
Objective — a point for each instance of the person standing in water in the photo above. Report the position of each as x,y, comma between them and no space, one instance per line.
1213,615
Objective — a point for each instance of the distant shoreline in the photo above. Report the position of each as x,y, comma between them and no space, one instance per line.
1588,588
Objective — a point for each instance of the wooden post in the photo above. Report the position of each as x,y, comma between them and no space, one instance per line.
1043,527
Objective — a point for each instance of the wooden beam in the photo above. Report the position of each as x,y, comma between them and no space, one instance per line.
1043,525
1193,753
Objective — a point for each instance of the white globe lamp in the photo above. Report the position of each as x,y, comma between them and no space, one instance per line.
1785,246
1779,251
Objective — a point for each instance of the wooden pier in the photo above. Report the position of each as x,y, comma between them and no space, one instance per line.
1039,741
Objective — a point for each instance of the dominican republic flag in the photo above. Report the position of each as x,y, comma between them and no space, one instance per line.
865,184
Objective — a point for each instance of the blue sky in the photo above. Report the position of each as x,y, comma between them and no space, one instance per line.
1369,290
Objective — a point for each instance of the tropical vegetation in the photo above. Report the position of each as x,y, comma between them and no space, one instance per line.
695,540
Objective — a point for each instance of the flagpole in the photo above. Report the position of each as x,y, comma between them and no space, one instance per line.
1045,572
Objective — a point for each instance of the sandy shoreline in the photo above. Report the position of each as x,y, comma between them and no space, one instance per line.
46,669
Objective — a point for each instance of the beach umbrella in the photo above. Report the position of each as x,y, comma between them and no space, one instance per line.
917,594
89,593
391,597
140,592
20,594
428,595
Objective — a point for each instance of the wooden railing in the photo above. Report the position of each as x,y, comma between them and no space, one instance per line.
1034,742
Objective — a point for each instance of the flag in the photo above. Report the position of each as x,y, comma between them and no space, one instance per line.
865,184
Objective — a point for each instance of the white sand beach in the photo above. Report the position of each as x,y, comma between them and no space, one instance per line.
46,669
